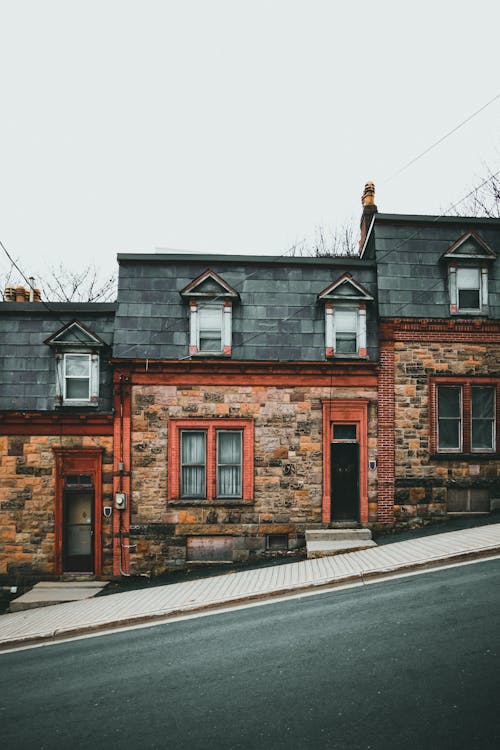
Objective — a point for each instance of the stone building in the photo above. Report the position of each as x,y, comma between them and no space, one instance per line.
238,376
438,281
226,404
56,438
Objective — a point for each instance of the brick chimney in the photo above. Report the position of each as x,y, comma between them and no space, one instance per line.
20,294
369,209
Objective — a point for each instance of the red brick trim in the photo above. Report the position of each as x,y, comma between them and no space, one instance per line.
454,330
121,471
41,423
386,418
210,426
78,461
352,411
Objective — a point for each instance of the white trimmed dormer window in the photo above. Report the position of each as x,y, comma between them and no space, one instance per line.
210,315
76,365
468,261
345,318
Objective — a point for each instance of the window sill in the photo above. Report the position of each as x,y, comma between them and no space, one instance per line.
210,355
77,404
465,456
186,502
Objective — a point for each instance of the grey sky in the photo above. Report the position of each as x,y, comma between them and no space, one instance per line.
233,125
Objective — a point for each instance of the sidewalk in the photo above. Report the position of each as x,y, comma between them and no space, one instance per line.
159,602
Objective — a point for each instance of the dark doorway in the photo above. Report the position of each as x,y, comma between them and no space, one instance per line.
345,481
78,537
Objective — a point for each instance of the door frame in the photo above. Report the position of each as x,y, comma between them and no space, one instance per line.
77,461
345,411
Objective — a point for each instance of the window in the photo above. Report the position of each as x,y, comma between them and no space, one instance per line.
468,260
228,463
210,459
76,377
466,419
346,331
210,314
193,463
76,364
210,333
483,418
77,382
468,289
345,317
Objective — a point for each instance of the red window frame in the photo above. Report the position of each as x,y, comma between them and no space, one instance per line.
210,427
465,384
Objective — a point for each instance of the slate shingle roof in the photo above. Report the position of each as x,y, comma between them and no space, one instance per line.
27,364
278,316
412,277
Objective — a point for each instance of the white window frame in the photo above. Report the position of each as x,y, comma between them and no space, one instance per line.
195,328
331,330
93,378
454,288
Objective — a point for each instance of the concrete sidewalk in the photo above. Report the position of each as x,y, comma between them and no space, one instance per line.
159,602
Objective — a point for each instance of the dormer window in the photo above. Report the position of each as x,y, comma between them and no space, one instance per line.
210,315
76,365
468,260
345,317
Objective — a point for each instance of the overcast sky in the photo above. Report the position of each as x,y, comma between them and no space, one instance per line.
234,126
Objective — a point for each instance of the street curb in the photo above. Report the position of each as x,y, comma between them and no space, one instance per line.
59,635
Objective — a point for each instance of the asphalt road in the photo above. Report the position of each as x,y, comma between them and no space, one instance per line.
410,663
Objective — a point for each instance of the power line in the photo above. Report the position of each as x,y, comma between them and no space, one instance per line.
440,140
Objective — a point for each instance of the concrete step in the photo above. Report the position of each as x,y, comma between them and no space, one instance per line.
340,535
325,548
55,592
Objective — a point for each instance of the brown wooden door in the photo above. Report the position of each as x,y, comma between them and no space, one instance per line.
345,481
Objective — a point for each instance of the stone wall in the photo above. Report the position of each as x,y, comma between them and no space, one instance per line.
287,468
27,503
422,480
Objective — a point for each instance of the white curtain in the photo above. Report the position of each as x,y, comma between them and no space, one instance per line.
193,464
229,464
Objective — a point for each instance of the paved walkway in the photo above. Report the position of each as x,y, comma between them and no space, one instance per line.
145,605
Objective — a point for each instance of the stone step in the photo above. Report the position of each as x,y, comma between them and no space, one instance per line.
340,535
326,548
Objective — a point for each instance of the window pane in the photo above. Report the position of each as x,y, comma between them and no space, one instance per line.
210,341
344,432
482,434
483,403
193,447
229,447
468,278
229,464
468,299
448,401
346,343
77,365
449,433
77,389
193,464
346,320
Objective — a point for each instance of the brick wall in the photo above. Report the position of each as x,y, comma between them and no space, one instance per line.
288,465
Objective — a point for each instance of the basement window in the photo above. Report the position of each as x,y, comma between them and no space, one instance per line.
277,542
